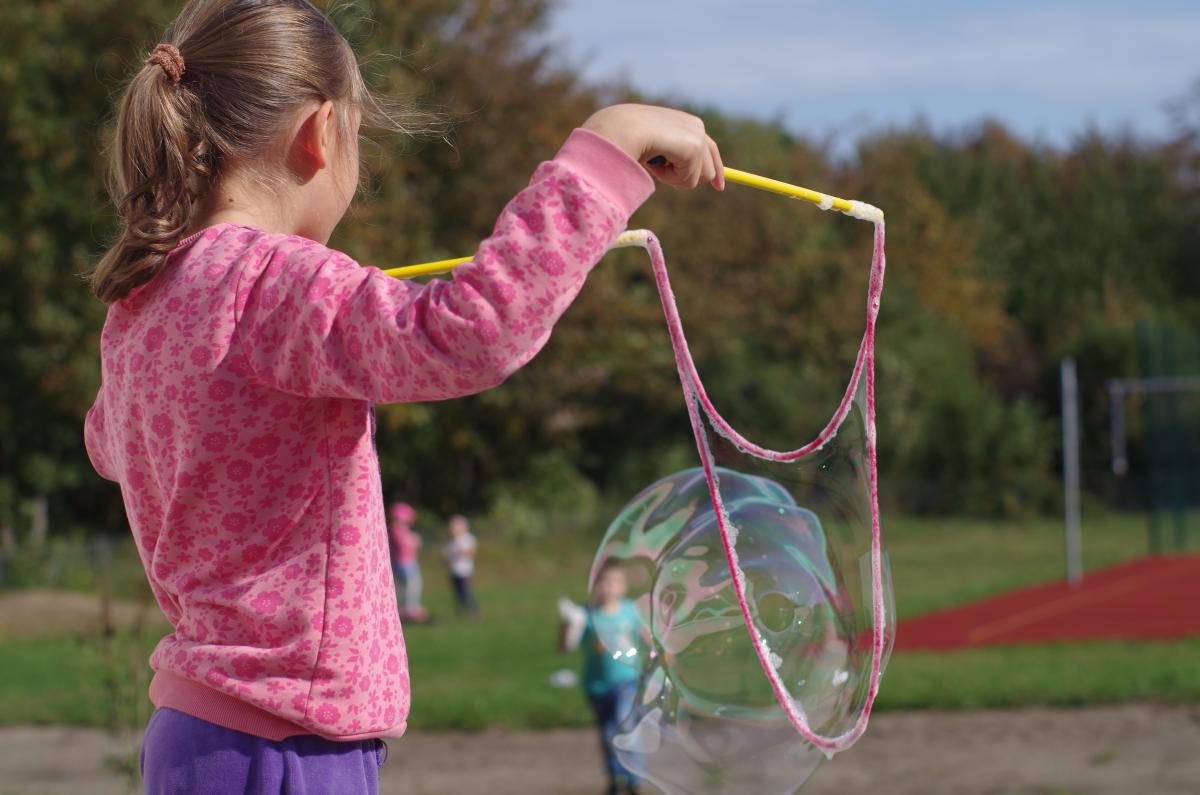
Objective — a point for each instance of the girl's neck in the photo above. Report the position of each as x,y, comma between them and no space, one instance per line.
225,209
246,201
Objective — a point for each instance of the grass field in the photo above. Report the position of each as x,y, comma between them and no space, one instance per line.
494,672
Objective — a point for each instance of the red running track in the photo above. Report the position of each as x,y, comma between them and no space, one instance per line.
1155,598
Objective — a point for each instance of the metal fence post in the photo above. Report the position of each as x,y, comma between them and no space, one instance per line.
1070,443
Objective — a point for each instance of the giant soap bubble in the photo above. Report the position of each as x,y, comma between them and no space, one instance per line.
707,718
763,588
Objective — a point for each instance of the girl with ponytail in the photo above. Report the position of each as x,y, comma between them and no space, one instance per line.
241,358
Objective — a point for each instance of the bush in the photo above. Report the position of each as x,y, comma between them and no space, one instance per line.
552,498
985,457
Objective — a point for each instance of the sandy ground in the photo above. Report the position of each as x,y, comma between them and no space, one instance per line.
41,612
1125,750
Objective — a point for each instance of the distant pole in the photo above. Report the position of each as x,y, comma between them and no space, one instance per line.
1116,427
1070,443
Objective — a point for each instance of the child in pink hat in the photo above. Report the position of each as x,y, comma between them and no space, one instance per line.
406,564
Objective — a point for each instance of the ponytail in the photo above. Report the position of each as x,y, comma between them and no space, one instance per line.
161,168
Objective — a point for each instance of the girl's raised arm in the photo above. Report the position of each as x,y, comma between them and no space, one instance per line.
313,322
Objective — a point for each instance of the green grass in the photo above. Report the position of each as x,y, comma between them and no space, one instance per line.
493,673
1054,675
74,680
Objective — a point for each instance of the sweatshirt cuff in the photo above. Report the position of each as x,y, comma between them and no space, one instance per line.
608,168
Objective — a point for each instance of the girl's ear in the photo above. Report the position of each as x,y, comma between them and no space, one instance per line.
316,138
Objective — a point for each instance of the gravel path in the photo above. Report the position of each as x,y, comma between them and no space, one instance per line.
1124,750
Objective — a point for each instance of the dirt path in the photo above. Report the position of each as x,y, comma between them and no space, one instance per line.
36,612
1126,750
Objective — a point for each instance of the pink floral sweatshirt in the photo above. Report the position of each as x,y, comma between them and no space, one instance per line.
235,413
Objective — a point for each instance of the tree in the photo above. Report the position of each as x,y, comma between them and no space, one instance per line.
59,62
1003,255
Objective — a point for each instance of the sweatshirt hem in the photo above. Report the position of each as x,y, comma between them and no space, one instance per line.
170,690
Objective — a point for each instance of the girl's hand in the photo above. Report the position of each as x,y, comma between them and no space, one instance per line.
684,154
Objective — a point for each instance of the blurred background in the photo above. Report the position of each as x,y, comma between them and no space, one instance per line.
1039,164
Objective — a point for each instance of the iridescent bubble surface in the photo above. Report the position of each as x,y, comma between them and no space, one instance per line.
707,719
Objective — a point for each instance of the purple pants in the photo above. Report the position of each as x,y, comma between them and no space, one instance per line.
182,754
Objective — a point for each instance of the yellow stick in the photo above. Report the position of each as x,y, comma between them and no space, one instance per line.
855,209
426,268
784,189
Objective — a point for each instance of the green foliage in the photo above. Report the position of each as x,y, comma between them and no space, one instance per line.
552,498
982,455
1003,256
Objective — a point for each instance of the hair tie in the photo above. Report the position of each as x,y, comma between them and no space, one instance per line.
170,59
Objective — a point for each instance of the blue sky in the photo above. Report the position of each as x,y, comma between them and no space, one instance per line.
1047,69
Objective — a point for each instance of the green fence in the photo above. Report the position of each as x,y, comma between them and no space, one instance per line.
1170,414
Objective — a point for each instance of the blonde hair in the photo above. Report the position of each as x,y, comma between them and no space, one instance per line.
245,67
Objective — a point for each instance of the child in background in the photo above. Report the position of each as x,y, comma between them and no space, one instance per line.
460,561
240,359
608,631
406,565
